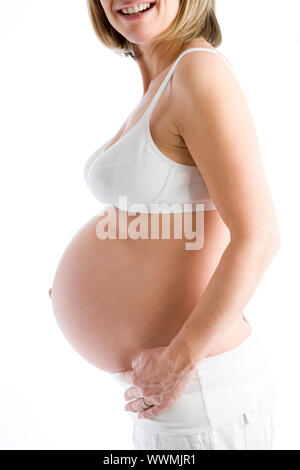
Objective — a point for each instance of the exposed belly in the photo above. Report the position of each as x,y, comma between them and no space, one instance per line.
114,297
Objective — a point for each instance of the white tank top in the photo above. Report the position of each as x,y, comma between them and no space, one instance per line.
133,174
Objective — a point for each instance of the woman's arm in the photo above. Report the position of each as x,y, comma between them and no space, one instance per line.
213,117
239,271
215,122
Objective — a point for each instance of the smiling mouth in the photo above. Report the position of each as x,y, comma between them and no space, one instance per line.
138,13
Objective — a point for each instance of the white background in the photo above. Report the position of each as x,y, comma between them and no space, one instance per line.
63,94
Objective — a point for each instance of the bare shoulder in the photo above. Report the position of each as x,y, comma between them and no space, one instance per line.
202,54
202,70
204,81
214,120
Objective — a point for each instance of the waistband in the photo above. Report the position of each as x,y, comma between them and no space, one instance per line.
221,388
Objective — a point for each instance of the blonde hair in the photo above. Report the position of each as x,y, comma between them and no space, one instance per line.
195,18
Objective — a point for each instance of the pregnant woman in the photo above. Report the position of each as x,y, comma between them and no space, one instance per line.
152,289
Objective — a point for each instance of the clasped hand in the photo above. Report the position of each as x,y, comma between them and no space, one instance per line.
160,377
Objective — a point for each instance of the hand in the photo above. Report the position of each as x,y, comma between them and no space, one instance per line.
160,376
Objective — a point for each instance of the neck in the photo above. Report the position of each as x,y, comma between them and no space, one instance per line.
153,62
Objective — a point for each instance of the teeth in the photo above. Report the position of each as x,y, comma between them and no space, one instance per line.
136,8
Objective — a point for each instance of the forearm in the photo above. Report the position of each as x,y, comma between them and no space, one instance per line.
235,279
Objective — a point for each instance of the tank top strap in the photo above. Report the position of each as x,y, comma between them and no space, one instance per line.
171,71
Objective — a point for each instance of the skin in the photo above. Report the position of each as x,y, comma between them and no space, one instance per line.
156,341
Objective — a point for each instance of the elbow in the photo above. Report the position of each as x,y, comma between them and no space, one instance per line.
273,240
266,244
270,245
274,244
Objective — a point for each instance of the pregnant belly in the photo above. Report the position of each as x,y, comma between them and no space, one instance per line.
114,297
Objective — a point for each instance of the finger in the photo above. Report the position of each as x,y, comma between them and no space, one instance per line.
136,405
133,392
153,411
127,376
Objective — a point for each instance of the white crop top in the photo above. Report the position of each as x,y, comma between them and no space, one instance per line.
148,181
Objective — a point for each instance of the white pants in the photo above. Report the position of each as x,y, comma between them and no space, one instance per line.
227,405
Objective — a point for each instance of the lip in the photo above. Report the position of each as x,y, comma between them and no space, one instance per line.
132,4
137,16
